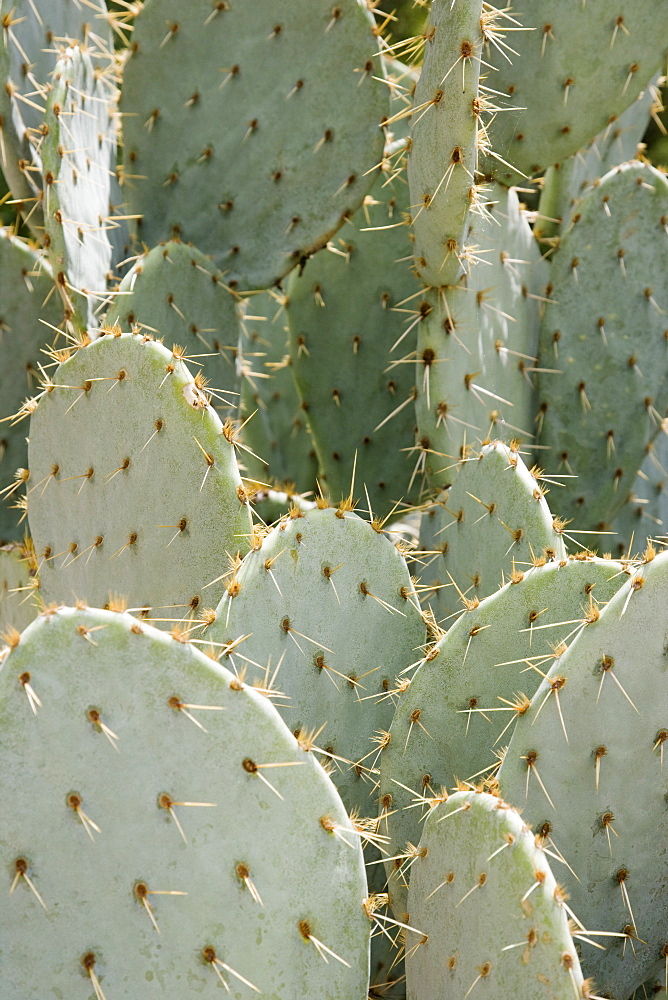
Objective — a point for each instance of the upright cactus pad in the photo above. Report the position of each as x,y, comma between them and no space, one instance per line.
585,62
606,333
264,141
494,520
33,34
327,601
444,139
168,836
78,158
478,341
489,910
457,714
134,487
585,767
175,293
347,312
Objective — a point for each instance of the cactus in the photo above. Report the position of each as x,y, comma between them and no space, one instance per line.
608,319
288,108
327,602
175,293
157,515
17,588
483,672
27,59
152,765
78,154
492,522
346,316
275,430
478,341
444,140
585,62
257,136
30,317
478,866
590,743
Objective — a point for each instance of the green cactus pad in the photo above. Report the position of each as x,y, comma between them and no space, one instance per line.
491,914
18,605
134,487
175,293
444,139
565,183
79,156
27,295
477,341
584,765
606,333
167,832
493,520
460,708
30,28
346,312
645,512
585,62
264,142
329,599
274,426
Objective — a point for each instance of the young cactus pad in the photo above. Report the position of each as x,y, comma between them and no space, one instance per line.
264,141
444,139
27,58
478,340
78,157
494,519
561,74
585,765
167,832
490,911
134,487
605,332
461,705
177,294
331,609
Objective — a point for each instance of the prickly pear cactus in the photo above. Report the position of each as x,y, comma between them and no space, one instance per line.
203,833
264,142
585,766
78,160
487,910
31,313
175,293
453,720
134,487
18,605
585,62
274,423
621,140
444,139
478,341
605,333
494,520
352,352
28,56
326,601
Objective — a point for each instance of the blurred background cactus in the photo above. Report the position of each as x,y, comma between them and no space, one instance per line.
335,375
